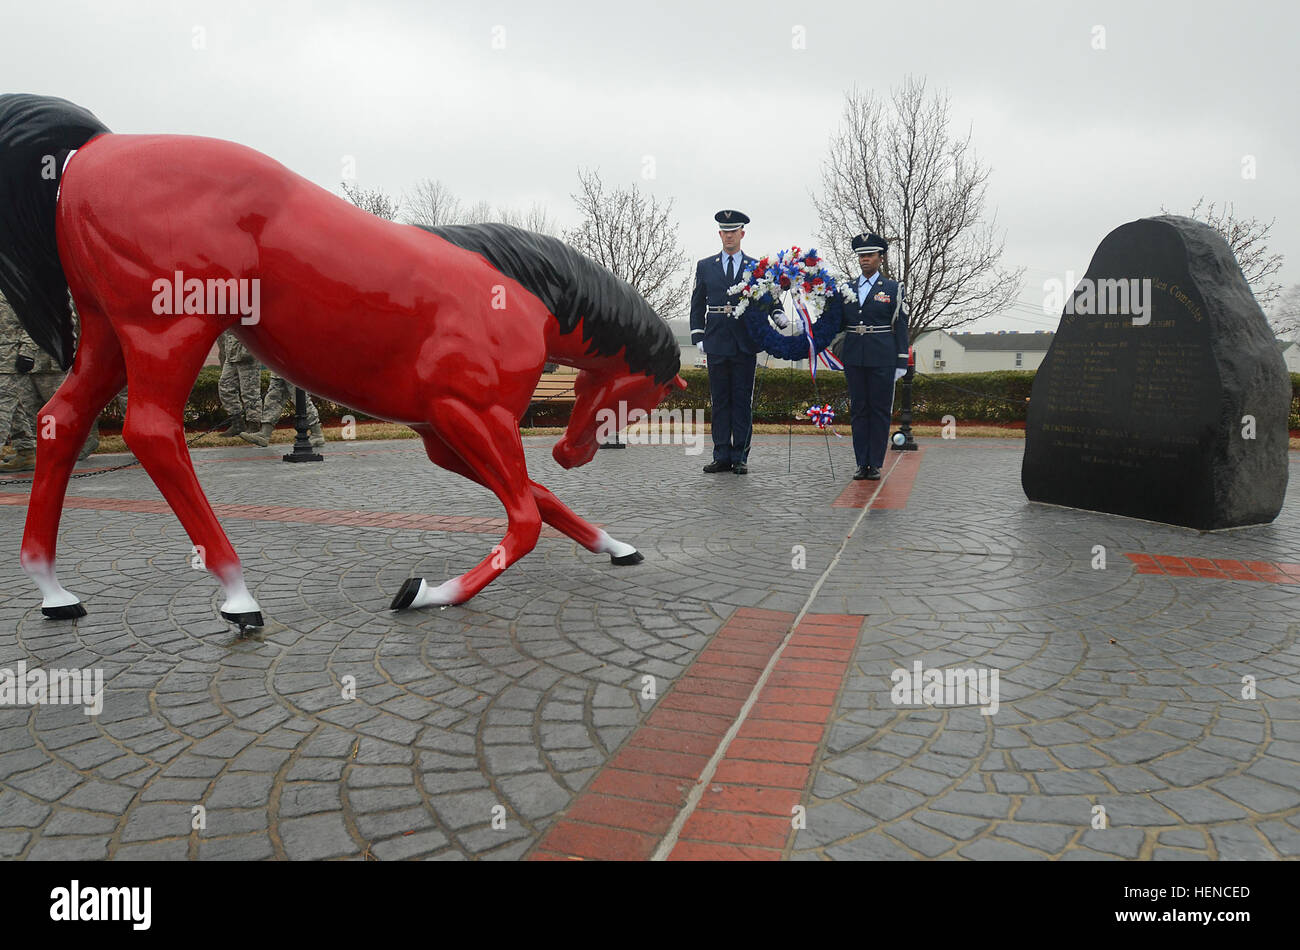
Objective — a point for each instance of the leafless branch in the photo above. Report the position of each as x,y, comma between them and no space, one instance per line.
1248,240
432,204
633,235
894,168
1284,316
372,200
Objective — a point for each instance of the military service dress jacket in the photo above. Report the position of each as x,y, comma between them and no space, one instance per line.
881,339
723,334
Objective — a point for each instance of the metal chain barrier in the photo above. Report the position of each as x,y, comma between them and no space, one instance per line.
117,468
532,410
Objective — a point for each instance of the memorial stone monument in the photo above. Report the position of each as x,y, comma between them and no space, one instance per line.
1164,395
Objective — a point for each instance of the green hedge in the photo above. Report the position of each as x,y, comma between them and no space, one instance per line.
1002,397
204,406
784,394
780,395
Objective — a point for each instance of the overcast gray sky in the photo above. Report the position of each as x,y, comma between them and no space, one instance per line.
1080,140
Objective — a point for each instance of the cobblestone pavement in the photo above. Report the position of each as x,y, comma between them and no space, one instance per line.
474,728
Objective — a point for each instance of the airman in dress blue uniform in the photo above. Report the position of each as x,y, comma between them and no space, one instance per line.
874,354
732,356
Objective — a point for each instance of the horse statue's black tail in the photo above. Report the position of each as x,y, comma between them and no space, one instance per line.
36,135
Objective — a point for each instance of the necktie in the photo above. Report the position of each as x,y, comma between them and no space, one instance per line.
731,271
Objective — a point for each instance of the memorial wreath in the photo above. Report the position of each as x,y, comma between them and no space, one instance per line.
818,298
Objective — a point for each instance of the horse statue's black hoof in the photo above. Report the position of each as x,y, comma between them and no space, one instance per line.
636,557
252,618
65,612
406,596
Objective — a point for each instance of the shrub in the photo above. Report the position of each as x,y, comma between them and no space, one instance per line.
780,395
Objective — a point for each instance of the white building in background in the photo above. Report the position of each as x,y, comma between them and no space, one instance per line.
939,351
1291,355
936,352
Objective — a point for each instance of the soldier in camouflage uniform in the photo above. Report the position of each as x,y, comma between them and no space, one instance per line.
14,342
240,385
29,378
277,394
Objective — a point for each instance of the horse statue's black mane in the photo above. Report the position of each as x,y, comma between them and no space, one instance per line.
574,287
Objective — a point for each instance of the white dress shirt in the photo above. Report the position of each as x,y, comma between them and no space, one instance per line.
864,287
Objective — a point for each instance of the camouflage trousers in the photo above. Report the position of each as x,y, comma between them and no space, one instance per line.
22,396
277,394
240,389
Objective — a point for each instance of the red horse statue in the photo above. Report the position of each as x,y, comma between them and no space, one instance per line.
165,241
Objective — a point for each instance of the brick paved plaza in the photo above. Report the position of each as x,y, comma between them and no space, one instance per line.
520,725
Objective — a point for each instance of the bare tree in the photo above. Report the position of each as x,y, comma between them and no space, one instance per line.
1248,240
894,169
1284,316
536,218
480,212
372,200
634,236
431,204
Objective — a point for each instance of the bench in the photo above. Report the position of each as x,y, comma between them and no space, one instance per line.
555,388
553,391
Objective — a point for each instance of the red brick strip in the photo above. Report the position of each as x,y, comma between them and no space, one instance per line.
898,487
1266,572
902,466
632,802
747,812
329,516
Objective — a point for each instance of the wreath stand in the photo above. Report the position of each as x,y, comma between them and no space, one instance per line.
804,278
801,313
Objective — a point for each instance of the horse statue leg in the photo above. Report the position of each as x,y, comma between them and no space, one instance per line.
598,394
96,376
553,511
159,380
561,517
483,445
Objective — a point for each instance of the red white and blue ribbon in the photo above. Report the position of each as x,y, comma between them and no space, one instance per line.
802,310
825,357
822,416
829,360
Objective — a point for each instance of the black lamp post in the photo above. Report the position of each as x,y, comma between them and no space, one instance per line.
902,440
302,447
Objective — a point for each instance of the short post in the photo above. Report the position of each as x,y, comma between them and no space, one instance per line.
902,440
616,444
302,447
